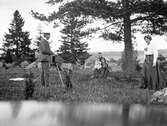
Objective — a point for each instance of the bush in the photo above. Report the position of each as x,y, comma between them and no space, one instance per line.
161,57
113,60
163,62
138,66
8,58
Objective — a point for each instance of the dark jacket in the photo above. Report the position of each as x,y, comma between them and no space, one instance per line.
44,51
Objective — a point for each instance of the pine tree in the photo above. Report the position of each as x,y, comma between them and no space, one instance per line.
17,43
72,48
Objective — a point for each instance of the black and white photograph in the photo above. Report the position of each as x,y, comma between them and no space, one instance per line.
83,63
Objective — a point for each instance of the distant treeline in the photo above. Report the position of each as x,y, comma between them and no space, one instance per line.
117,54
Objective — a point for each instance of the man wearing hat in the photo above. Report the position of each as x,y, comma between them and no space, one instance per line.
45,57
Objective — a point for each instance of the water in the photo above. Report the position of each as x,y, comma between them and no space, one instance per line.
34,113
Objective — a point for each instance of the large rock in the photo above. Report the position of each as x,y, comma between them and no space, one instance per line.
9,65
34,65
160,96
24,64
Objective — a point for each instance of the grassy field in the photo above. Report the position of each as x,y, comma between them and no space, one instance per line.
85,89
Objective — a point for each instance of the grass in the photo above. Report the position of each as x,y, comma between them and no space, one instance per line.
85,89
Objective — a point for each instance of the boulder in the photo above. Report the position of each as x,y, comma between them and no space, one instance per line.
31,66
9,65
160,96
24,64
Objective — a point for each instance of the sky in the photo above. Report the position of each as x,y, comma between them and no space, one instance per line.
7,8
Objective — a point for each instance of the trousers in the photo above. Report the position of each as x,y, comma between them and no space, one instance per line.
44,73
151,74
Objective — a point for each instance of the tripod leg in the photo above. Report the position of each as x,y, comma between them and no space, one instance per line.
60,77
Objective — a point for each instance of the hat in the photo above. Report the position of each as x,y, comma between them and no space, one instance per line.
148,37
46,33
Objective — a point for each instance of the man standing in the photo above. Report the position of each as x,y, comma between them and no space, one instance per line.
45,57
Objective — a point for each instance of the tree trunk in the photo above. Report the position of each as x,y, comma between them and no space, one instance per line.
129,63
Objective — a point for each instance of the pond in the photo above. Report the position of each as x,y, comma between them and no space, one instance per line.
33,113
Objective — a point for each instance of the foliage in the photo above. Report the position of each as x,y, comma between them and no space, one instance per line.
150,14
71,38
112,60
161,57
70,58
138,66
8,57
162,63
122,18
16,43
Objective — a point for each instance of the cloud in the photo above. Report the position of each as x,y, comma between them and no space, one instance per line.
21,3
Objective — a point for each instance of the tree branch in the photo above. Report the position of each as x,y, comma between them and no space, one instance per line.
149,17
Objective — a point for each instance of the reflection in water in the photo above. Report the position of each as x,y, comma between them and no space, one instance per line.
148,116
16,106
5,111
51,110
31,113
137,112
90,115
125,115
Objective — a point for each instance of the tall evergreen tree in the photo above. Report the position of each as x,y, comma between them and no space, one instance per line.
17,43
122,17
72,48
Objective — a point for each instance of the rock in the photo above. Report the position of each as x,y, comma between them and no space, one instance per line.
160,96
165,94
158,93
24,64
9,65
31,66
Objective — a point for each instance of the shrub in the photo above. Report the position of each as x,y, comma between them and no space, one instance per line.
162,63
112,60
161,57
